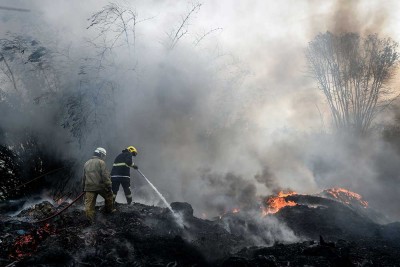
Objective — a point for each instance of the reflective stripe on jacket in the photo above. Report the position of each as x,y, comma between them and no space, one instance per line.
95,175
121,165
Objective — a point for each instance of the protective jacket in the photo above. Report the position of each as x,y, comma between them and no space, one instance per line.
95,175
121,165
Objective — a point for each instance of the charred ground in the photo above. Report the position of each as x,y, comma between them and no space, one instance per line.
329,233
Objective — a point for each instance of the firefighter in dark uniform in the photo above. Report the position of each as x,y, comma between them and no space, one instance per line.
120,173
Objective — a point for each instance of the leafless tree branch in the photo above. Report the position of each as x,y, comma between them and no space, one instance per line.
352,73
176,35
205,35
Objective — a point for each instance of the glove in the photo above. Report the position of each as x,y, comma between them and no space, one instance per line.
135,167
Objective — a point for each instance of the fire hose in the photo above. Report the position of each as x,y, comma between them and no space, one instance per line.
81,194
34,179
59,212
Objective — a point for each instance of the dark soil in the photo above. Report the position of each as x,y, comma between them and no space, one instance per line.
140,235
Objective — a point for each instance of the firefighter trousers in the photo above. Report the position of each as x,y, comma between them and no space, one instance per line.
126,185
90,202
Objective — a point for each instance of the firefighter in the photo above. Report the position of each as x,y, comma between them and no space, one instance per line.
120,173
96,181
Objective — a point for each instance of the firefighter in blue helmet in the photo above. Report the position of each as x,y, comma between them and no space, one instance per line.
120,173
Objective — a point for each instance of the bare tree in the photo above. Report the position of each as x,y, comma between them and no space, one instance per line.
353,73
24,61
117,19
91,103
116,26
8,72
205,34
176,34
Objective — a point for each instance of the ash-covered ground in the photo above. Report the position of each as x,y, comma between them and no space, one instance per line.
317,231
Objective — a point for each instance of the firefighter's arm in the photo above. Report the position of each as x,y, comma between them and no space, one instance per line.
134,166
130,163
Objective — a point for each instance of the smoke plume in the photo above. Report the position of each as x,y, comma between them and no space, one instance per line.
224,115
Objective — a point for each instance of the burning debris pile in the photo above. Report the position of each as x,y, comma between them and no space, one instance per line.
38,211
26,244
345,196
274,203
289,229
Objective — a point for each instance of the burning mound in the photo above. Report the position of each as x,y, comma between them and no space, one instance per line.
345,196
286,231
335,213
274,203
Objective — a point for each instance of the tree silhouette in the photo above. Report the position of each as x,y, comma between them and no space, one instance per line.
353,73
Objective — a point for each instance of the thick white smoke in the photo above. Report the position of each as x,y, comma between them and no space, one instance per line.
219,121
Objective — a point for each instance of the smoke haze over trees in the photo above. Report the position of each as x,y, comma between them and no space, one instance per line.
353,73
215,97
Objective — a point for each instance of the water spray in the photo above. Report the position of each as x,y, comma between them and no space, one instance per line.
177,217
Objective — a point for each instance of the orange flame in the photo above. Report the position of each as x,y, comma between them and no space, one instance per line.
274,204
26,244
346,196
286,194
